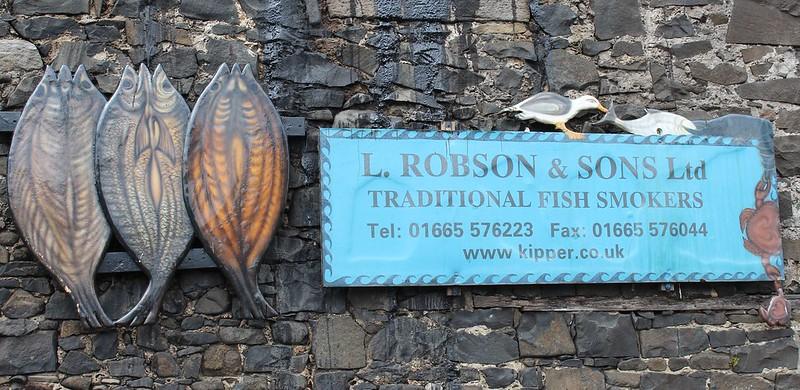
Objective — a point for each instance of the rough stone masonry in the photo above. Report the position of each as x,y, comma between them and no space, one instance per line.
412,64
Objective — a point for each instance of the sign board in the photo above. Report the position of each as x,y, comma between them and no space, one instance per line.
438,208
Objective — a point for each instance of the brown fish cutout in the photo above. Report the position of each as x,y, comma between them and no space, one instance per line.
51,185
139,169
236,178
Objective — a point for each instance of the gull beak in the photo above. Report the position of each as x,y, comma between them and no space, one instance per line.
601,108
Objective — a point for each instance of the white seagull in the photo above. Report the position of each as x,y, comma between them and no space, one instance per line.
553,109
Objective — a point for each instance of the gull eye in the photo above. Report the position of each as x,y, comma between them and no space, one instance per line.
658,131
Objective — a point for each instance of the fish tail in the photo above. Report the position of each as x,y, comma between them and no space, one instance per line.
610,118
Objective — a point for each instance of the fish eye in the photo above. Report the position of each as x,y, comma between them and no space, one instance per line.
127,84
166,85
85,84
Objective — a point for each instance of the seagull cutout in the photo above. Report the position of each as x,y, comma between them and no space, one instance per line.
553,109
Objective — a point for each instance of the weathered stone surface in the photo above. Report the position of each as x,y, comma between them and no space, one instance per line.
28,354
215,301
43,27
772,354
338,342
17,55
767,22
151,337
605,335
493,318
757,336
724,74
299,287
77,362
710,360
304,210
622,379
333,380
104,345
789,120
23,304
677,27
223,10
727,338
691,340
405,338
132,366
686,3
574,378
267,358
591,47
633,49
569,71
655,380
659,342
164,364
359,57
77,383
491,348
16,327
690,49
499,376
40,7
231,335
773,90
222,360
178,62
544,334
554,19
22,91
309,68
614,18
736,382
219,51
72,54
290,332
787,155
787,381
511,49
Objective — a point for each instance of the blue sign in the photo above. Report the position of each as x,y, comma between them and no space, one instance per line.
438,208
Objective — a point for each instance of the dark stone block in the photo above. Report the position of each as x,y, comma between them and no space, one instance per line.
333,380
164,365
456,81
767,22
554,19
299,287
23,304
784,90
723,74
433,300
591,47
362,58
193,322
132,366
338,342
267,358
676,364
720,381
624,48
219,51
405,338
77,383
512,49
632,365
544,334
772,354
222,360
178,62
491,348
231,335
787,155
372,298
614,18
655,380
677,27
41,7
151,337
690,49
77,362
499,377
659,342
727,338
128,8
192,338
569,71
97,32
691,340
493,318
605,335
104,345
60,307
290,332
308,68
710,360
574,378
16,327
45,27
757,336
290,381
215,301
304,210
685,3
28,354
787,382
223,10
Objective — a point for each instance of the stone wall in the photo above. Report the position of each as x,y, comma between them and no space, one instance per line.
412,64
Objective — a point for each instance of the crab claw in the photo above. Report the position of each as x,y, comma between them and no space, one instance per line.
778,312
762,188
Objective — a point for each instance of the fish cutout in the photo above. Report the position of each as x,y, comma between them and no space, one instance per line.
51,185
655,122
235,174
139,145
